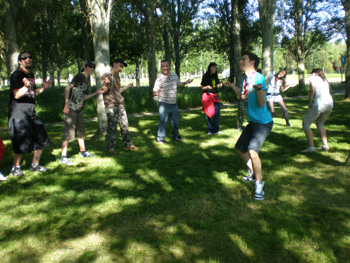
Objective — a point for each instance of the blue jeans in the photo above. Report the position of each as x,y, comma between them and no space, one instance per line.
165,111
213,122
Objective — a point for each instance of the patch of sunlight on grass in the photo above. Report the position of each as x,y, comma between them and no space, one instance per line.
309,251
243,246
189,116
152,177
207,144
226,181
125,184
27,250
74,250
138,252
111,206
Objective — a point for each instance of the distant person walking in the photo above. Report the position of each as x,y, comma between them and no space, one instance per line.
165,87
276,83
320,107
74,96
115,110
210,98
26,130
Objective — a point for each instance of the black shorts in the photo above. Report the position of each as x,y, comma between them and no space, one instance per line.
27,133
253,136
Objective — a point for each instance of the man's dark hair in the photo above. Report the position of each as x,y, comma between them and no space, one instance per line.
254,57
164,60
20,55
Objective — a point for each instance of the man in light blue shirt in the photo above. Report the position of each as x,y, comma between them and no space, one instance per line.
253,92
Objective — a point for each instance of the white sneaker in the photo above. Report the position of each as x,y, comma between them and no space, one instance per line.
309,150
250,177
259,190
2,177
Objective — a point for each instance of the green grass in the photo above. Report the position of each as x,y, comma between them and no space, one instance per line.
183,202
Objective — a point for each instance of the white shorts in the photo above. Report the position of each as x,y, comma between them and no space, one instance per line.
274,98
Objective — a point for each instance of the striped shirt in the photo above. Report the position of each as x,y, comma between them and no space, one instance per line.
166,88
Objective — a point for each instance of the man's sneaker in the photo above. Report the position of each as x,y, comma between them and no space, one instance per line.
219,132
16,172
250,177
162,141
131,148
324,148
65,160
209,133
86,154
38,168
259,190
2,177
309,150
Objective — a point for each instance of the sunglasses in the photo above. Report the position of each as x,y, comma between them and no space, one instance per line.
24,58
90,66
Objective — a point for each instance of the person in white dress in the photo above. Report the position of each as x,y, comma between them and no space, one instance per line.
320,107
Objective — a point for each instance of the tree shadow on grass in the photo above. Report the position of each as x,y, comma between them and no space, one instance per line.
180,202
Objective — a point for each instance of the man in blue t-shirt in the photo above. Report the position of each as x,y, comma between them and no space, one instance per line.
253,92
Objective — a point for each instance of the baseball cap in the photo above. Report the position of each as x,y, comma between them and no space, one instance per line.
120,61
89,63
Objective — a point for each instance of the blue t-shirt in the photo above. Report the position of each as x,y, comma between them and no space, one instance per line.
254,112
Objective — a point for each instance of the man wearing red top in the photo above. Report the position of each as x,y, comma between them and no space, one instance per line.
26,130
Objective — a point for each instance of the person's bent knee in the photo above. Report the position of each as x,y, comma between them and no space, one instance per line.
253,153
306,125
319,125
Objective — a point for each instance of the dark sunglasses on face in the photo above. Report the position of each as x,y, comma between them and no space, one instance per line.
90,66
24,58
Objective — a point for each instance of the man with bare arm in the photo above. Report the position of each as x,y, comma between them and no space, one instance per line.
259,120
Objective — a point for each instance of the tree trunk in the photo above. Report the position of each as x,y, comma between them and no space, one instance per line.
151,51
84,30
137,72
298,5
99,17
11,43
236,38
301,73
346,5
165,35
43,47
267,10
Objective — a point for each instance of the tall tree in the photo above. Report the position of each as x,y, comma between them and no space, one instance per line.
346,4
99,15
267,9
232,17
11,42
181,13
301,21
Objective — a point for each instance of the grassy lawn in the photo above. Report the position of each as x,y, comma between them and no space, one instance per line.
183,202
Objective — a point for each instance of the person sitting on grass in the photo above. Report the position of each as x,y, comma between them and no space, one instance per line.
74,95
320,107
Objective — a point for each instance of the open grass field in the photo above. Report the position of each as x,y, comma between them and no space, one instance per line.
183,202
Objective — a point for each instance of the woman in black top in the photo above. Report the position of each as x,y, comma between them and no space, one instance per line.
210,84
